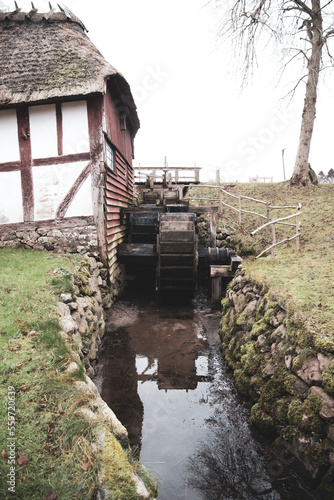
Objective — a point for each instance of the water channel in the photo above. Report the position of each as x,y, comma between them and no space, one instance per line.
161,372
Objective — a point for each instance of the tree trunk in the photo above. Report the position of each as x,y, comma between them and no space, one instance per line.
300,174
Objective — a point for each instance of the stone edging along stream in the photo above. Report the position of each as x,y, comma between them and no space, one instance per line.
82,324
289,380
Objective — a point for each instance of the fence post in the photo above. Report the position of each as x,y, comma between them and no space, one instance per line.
218,177
297,229
196,174
274,241
220,201
240,219
268,215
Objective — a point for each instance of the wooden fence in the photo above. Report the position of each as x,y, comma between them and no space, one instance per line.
261,179
239,211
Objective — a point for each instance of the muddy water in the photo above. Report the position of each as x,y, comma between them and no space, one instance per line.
161,372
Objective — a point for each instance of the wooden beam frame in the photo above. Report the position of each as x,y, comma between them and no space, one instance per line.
95,111
59,117
26,163
62,209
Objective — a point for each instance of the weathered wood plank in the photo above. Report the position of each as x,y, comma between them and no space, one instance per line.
136,250
170,226
10,166
23,124
58,160
115,239
221,271
59,118
176,247
179,236
62,209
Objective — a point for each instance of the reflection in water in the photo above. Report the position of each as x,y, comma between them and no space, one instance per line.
162,347
227,468
162,373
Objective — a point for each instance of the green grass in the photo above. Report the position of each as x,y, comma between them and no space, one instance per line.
32,359
304,280
51,435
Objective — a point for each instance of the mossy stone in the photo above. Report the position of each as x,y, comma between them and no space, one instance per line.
305,415
321,451
324,345
259,328
251,360
289,433
117,471
241,320
280,411
328,379
242,383
262,421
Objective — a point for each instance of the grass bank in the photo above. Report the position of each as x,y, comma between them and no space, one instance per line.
303,279
46,443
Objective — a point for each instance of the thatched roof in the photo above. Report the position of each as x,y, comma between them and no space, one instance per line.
48,56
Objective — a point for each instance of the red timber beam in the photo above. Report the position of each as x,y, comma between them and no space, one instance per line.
59,116
95,120
26,163
62,209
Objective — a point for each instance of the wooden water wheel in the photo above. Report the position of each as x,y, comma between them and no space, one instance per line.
177,254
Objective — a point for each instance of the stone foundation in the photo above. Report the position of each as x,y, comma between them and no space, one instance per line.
60,240
276,364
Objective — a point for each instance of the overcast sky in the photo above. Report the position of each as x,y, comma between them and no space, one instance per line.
186,88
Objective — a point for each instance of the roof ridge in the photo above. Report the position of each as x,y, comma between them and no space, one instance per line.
52,16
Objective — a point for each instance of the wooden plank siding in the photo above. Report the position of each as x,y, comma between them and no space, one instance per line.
120,138
118,194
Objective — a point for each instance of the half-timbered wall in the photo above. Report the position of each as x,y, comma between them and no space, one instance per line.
45,162
50,169
10,197
9,141
10,178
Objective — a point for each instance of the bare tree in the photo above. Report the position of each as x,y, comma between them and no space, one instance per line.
303,28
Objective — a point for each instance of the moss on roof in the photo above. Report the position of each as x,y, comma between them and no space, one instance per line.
48,56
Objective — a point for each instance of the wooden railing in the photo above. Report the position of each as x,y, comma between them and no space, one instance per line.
181,174
280,221
267,217
261,179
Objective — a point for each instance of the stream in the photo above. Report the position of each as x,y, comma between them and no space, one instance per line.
161,371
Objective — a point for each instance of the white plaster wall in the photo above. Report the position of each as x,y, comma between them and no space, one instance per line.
43,131
82,203
51,185
9,141
75,127
11,206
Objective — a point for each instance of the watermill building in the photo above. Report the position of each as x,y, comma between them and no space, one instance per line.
67,126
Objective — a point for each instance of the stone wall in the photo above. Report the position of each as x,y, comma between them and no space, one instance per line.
80,239
203,229
82,312
290,382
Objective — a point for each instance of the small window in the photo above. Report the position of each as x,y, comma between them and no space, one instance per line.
122,120
109,157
